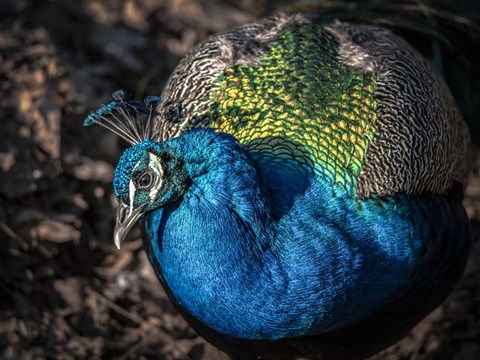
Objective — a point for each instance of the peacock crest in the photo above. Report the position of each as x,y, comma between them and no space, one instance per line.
132,119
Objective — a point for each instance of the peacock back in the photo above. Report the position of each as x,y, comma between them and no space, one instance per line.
355,103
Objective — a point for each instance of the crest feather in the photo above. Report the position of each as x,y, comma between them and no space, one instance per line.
129,119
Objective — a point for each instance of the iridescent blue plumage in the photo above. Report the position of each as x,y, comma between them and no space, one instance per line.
229,225
300,220
241,252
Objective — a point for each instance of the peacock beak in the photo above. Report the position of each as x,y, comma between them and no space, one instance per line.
126,218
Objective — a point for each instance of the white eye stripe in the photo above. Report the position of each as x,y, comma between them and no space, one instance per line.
156,167
131,191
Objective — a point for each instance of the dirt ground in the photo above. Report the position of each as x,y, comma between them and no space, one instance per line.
65,291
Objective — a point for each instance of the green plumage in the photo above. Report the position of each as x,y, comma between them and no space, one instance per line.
355,103
300,102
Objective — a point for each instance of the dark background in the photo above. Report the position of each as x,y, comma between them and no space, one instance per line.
65,291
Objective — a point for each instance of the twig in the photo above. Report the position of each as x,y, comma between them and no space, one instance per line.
9,231
116,308
136,347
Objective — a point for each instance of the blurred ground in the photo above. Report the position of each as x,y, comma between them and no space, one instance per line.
65,291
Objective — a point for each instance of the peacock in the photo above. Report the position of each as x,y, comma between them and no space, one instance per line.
300,186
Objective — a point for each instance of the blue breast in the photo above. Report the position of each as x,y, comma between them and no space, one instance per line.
307,258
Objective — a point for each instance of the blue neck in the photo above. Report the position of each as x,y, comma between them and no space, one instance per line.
278,255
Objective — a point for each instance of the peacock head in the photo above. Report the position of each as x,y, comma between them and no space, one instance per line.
148,175
138,179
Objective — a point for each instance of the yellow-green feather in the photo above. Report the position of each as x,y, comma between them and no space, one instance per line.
301,102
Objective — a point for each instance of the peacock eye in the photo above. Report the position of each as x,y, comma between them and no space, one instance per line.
145,180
